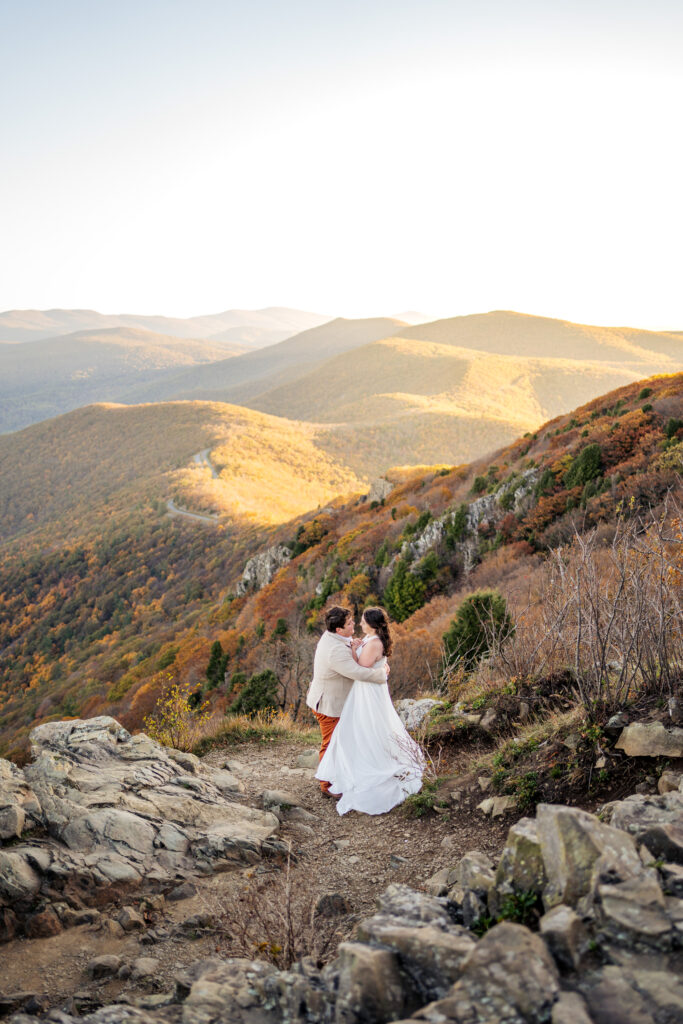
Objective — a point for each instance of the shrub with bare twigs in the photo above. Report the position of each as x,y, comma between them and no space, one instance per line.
273,918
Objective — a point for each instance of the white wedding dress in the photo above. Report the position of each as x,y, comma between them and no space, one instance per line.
371,760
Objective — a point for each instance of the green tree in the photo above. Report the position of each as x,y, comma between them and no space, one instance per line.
259,694
586,466
215,672
404,593
481,622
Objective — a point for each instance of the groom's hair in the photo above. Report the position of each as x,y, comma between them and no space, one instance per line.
335,617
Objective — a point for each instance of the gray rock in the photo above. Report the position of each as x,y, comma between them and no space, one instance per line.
651,739
309,759
475,871
570,1008
18,880
612,999
655,821
672,879
412,907
414,712
438,884
104,966
120,811
566,936
669,782
130,920
634,911
259,570
495,806
19,806
277,800
579,852
521,867
144,967
371,989
509,976
430,955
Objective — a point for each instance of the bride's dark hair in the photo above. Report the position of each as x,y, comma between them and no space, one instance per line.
377,619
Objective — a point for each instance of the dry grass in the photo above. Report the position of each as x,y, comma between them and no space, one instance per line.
264,726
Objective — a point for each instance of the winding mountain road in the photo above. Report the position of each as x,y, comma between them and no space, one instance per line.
200,459
174,510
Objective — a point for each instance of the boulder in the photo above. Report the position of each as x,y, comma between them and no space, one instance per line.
475,871
413,712
509,976
521,867
370,988
144,967
430,952
104,966
651,739
579,852
120,811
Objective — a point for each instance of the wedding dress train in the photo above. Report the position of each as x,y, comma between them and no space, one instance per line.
371,760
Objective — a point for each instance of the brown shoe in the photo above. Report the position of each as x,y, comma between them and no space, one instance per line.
332,796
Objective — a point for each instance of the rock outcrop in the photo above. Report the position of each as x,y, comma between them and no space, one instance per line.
259,570
99,810
601,944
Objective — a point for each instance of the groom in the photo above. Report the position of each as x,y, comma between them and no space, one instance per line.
334,672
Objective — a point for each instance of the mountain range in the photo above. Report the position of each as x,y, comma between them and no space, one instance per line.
18,325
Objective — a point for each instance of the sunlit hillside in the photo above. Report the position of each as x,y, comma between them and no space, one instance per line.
435,403
507,333
71,473
254,372
41,379
96,622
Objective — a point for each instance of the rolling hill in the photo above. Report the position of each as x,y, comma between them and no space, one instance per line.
452,390
41,379
70,474
236,379
260,325
102,595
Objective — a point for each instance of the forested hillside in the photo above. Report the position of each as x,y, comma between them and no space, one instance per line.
102,623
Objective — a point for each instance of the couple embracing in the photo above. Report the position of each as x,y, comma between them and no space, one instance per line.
368,762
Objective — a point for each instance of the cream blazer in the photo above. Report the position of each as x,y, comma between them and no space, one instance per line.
334,672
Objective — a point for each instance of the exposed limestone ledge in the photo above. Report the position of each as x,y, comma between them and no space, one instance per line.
259,570
118,810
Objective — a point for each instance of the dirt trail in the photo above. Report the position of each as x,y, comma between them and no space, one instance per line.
354,855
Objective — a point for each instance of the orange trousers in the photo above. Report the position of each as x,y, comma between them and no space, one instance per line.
327,725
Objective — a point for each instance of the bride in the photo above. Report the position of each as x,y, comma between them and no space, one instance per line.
371,759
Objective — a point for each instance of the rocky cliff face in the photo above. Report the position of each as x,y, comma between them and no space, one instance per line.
99,811
259,570
579,922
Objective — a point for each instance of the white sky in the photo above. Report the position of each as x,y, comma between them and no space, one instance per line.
357,157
